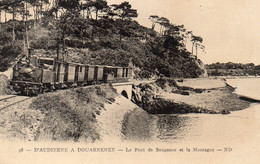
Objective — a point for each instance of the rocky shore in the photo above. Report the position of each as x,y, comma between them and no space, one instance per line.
165,96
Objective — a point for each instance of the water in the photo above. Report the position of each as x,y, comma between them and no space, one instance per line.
235,128
249,87
197,128
239,127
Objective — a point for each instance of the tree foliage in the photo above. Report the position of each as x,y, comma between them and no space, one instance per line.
154,19
125,13
90,31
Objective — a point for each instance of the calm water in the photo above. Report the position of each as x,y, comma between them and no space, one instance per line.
235,128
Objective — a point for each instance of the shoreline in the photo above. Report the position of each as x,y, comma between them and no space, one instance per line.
213,96
212,101
135,123
115,119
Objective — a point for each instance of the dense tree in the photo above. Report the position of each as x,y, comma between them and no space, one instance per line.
233,69
110,13
69,4
196,42
37,6
174,38
94,29
164,22
187,36
154,19
125,13
14,7
85,8
98,6
25,14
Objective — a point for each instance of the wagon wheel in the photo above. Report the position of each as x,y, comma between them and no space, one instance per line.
52,88
25,91
40,89
22,91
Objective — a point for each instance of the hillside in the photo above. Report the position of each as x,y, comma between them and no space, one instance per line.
233,69
106,40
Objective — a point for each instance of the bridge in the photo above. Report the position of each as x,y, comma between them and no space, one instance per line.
124,89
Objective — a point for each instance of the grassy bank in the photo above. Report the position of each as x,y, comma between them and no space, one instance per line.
71,115
68,115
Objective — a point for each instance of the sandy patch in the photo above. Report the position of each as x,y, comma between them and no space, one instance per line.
203,83
110,121
216,100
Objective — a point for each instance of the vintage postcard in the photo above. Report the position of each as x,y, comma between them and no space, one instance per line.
113,81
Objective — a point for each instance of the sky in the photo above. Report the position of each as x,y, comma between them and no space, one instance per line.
230,28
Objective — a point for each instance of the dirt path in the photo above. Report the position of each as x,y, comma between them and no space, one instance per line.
110,121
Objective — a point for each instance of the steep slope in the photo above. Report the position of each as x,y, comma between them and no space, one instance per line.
151,53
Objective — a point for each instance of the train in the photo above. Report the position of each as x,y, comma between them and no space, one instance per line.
34,75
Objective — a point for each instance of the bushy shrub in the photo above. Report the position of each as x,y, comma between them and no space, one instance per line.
5,38
8,54
161,83
4,85
43,43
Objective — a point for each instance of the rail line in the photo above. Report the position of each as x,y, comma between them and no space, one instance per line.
7,97
12,100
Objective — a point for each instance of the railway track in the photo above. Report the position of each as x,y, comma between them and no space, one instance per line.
11,100
3,98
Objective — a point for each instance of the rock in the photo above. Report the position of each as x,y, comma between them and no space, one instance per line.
111,99
185,88
202,67
199,90
185,93
213,112
98,112
181,92
225,111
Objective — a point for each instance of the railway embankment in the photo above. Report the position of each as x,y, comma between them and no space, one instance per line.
65,115
90,114
98,113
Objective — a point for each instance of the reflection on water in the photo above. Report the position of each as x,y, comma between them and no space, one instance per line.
174,127
237,127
